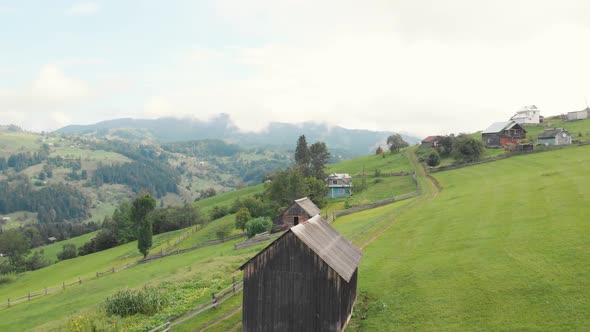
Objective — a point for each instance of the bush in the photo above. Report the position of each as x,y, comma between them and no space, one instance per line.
7,278
68,252
258,225
433,159
223,231
127,302
467,149
242,217
218,212
377,172
378,180
37,261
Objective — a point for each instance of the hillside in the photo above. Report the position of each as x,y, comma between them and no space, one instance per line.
343,142
502,246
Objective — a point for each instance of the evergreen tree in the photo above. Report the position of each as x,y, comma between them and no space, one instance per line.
302,155
319,156
143,204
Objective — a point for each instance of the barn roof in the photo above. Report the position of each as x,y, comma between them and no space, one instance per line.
307,205
341,255
431,139
497,127
551,133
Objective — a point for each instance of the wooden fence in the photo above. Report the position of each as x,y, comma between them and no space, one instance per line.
162,254
216,299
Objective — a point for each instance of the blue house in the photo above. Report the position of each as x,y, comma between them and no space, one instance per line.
339,185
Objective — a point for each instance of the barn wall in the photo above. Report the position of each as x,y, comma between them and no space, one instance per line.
285,221
491,139
289,288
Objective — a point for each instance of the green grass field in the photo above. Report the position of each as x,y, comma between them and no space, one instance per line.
14,142
503,247
391,163
226,199
51,250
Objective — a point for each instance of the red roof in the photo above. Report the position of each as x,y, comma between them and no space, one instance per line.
430,139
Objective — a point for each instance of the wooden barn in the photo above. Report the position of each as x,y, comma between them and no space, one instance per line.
503,134
304,281
430,141
301,210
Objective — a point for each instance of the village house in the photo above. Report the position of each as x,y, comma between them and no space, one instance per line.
339,185
578,115
306,280
503,134
528,114
299,211
430,141
556,136
379,151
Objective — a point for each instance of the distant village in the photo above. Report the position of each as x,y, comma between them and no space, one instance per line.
512,134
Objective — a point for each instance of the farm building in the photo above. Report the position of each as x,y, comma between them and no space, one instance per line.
379,150
339,185
503,134
578,115
304,281
528,114
557,136
430,141
301,210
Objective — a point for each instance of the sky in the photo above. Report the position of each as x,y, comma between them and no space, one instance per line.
422,67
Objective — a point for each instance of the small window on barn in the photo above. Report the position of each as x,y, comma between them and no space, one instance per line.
295,221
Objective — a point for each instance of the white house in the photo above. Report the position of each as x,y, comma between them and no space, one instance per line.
578,115
527,114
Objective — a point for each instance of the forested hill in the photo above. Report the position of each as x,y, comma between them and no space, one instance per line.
277,136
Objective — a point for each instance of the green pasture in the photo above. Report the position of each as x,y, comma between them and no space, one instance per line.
207,233
226,199
50,251
502,247
105,157
15,142
386,163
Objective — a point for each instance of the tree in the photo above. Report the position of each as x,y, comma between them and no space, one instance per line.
396,142
14,244
68,251
143,204
302,155
258,225
445,145
433,159
467,149
223,231
242,217
319,156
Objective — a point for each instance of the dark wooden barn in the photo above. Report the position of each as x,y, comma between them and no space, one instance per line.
503,134
301,210
304,281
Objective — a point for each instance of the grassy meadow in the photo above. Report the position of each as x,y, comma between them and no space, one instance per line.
502,247
386,163
226,199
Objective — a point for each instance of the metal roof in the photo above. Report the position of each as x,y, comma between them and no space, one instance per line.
497,127
341,255
551,133
307,205
430,139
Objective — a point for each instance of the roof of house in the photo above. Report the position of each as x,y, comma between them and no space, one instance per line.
528,108
430,139
307,205
336,251
344,176
587,109
551,133
497,127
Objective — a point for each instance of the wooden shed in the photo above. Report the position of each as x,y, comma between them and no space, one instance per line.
305,280
301,210
503,134
556,136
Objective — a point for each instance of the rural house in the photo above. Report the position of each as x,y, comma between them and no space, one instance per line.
528,114
503,134
578,115
430,141
379,150
301,210
339,185
556,136
303,281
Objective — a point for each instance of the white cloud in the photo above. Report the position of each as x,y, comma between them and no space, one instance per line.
157,107
86,8
53,85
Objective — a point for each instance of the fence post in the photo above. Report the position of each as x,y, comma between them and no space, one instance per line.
161,254
64,285
79,280
9,302
113,269
233,279
96,275
214,300
46,290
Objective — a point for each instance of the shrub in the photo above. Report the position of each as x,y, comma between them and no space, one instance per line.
37,261
68,252
433,159
7,278
378,180
242,218
129,302
258,225
223,231
377,172
218,212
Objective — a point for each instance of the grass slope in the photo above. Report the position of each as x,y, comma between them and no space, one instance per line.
391,163
503,247
226,199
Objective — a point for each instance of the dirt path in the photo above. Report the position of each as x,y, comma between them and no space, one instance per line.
430,193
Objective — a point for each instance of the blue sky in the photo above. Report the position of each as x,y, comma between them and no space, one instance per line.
419,66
